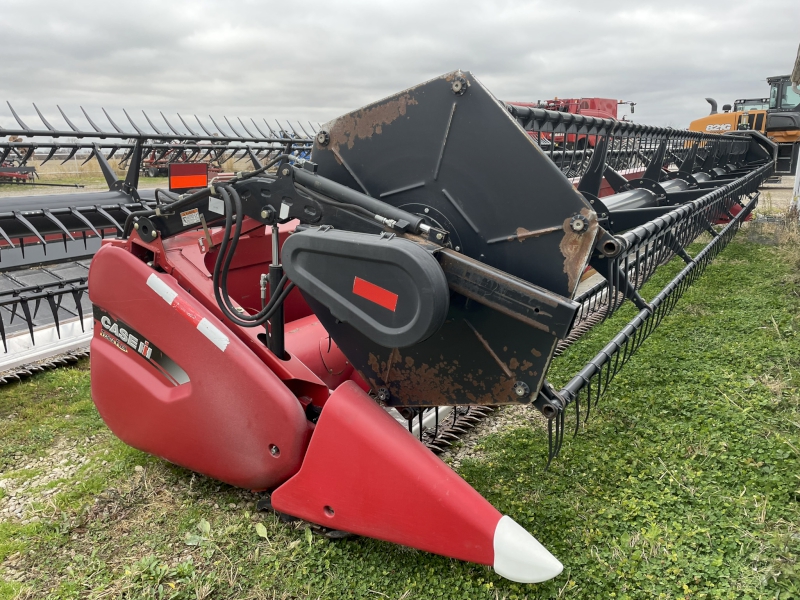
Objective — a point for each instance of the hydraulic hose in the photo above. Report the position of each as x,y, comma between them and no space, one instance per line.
221,267
346,195
331,202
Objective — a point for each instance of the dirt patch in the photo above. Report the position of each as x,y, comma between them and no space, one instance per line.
502,419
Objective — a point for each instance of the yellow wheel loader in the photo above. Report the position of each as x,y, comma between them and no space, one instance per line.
777,117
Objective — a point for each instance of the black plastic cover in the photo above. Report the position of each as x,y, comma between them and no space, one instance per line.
388,288
783,121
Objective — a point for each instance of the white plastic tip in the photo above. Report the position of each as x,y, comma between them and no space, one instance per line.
520,557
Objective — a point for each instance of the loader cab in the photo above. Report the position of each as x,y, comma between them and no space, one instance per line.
781,95
783,122
748,104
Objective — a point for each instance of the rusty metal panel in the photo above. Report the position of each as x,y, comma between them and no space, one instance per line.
448,150
479,356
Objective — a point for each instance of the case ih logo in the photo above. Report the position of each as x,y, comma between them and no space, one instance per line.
123,335
719,127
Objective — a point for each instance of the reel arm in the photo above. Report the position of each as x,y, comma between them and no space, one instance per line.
293,193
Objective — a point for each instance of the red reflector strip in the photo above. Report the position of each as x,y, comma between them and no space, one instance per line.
375,293
179,182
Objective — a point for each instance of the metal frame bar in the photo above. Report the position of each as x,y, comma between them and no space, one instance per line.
648,248
172,135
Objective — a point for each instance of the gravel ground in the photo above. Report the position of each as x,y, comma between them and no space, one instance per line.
776,197
502,419
49,475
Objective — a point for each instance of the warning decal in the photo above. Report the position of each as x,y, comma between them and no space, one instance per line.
190,217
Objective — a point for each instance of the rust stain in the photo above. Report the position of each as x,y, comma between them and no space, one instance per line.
504,387
374,364
535,352
365,123
523,234
576,248
433,383
442,381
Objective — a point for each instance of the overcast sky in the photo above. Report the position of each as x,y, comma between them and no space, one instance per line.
316,60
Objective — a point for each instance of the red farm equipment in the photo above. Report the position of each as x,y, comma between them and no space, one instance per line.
604,108
10,173
156,162
314,328
13,159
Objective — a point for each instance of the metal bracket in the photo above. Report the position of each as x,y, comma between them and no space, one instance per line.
607,245
548,401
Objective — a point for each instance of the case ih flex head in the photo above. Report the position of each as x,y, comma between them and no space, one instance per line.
410,266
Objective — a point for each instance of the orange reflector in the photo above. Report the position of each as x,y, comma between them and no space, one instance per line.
187,181
185,176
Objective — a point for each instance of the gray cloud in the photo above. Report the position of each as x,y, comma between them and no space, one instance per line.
316,60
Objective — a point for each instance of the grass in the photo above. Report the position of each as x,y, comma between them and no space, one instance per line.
89,176
63,183
684,484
